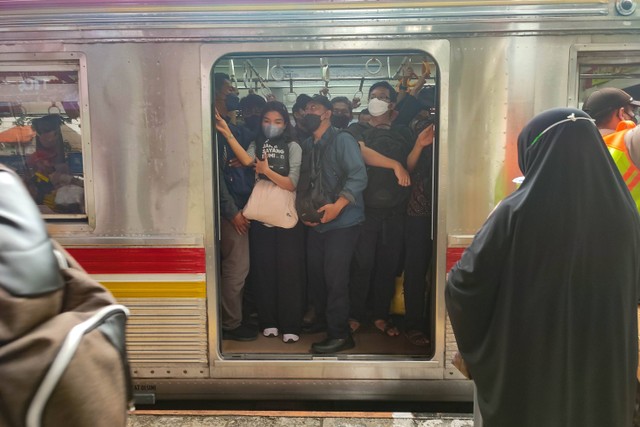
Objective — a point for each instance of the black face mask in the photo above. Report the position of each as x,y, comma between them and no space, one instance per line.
252,122
340,122
311,122
232,102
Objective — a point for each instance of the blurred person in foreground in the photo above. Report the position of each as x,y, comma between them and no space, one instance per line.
543,302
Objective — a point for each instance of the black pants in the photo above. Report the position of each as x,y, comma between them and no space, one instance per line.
375,263
278,255
328,260
418,252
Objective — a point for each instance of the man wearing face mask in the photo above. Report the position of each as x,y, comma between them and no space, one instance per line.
251,107
332,158
385,147
235,185
341,113
298,111
614,111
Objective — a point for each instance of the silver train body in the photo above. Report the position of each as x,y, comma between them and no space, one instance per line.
150,165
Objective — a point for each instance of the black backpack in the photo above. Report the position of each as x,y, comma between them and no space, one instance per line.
383,190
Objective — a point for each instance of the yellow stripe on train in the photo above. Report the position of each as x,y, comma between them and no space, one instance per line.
128,289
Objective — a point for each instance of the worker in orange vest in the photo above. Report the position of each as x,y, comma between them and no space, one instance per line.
615,112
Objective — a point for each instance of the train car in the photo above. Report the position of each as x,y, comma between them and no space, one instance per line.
138,203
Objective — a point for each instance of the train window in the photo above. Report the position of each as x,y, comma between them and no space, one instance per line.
242,85
619,69
40,133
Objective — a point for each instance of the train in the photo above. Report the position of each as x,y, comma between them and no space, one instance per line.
132,82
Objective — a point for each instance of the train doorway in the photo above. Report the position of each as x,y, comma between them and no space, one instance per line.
345,79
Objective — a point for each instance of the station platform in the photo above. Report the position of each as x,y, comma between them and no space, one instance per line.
220,418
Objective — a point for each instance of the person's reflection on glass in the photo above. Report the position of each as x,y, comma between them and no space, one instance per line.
50,183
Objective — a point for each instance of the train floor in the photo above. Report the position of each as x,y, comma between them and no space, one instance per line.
368,339
151,418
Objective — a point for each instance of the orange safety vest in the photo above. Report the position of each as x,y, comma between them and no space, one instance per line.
618,149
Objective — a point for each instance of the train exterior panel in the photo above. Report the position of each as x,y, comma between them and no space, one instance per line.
150,229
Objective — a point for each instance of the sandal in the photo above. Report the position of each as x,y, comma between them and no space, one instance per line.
386,327
417,338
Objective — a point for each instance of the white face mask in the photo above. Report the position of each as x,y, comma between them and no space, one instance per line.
378,107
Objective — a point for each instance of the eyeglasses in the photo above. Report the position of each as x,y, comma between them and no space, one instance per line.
381,98
631,115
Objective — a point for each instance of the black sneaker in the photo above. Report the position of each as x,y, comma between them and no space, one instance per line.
241,333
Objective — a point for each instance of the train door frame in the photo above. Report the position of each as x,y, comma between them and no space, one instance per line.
324,367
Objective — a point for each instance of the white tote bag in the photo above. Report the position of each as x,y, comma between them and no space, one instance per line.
272,205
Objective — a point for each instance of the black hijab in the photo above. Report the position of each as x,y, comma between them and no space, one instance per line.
543,302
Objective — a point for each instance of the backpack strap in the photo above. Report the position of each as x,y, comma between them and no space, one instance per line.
63,358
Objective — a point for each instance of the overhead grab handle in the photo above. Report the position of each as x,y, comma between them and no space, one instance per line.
232,70
400,69
357,97
372,66
266,91
325,77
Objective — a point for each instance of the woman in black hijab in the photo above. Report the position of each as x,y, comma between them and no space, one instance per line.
543,302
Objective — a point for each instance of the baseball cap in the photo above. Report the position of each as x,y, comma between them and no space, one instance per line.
605,100
46,123
322,100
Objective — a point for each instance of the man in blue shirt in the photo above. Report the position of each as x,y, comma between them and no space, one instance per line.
331,241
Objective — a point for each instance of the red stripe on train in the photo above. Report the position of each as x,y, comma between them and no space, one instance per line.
140,260
453,256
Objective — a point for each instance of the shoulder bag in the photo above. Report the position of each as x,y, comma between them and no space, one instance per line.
272,205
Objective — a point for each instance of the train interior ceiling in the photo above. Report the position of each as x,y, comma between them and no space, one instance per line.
349,75
285,77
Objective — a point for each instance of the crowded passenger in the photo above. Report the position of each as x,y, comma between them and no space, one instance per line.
298,111
332,179
276,251
615,113
409,102
545,296
235,183
418,241
341,113
251,107
378,253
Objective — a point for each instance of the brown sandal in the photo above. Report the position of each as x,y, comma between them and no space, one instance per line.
417,338
387,328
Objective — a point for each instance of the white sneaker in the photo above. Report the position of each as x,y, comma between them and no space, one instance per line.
270,332
290,338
